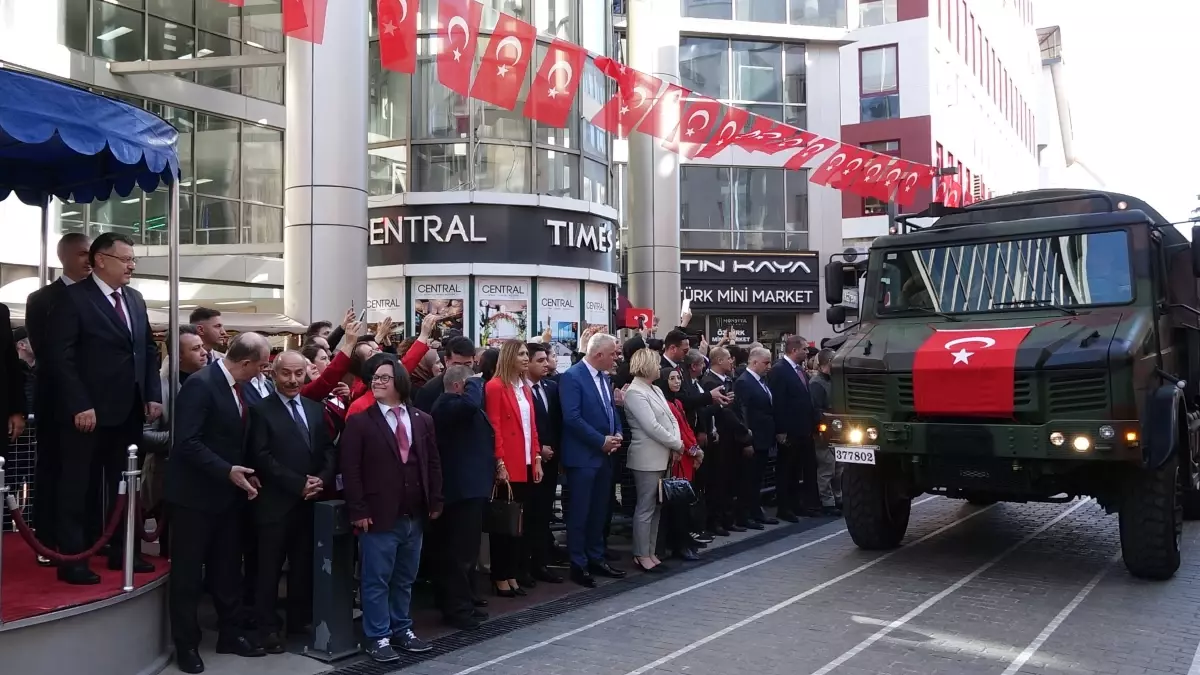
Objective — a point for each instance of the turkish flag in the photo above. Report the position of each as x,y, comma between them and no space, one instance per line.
877,178
635,95
949,192
397,35
635,317
808,152
663,117
765,135
841,168
305,20
967,372
696,123
458,31
505,62
554,86
735,121
914,178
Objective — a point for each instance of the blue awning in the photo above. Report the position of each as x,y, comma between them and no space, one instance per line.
60,140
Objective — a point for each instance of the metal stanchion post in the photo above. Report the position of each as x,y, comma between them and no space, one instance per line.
132,538
333,583
3,503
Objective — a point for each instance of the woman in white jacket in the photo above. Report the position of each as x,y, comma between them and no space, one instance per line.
655,443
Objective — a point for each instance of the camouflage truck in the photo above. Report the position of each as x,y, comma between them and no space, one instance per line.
1037,347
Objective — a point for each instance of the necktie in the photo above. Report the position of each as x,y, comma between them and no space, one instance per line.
606,397
766,389
537,393
299,420
803,379
237,395
119,306
401,437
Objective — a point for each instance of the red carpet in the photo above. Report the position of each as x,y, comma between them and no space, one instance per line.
29,590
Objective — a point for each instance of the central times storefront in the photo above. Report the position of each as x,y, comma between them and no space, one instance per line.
504,266
761,297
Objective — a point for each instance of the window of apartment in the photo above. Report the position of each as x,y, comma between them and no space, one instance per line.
960,24
765,11
743,208
880,12
879,85
980,54
765,78
829,13
181,29
950,5
708,9
971,50
872,206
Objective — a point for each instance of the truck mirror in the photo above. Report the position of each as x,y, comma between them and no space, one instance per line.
833,282
1196,250
836,315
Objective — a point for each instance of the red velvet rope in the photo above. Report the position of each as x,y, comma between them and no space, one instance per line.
114,521
160,521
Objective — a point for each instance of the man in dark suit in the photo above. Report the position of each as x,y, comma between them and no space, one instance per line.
794,426
208,481
460,351
392,476
465,442
755,403
722,457
293,456
73,258
591,433
548,418
12,394
103,364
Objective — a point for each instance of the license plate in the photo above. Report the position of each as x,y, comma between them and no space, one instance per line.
857,454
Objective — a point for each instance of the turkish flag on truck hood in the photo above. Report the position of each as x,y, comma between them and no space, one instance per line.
967,372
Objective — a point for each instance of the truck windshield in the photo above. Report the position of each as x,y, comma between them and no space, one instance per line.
1066,271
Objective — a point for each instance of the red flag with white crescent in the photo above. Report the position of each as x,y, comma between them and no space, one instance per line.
734,121
808,151
663,117
397,35
851,172
879,176
636,92
914,178
967,372
765,135
505,62
948,192
846,157
458,33
554,86
700,116
305,20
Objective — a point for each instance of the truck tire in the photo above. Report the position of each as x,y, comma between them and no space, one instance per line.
876,514
1151,521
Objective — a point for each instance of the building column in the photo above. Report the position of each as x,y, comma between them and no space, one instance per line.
653,180
325,178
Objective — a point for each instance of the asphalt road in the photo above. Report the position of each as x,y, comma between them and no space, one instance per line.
999,590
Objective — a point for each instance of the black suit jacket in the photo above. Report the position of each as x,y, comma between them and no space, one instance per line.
465,441
428,394
94,361
283,458
12,371
732,430
755,407
794,412
209,441
549,418
37,319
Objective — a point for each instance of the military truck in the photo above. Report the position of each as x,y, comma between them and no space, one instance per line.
1036,347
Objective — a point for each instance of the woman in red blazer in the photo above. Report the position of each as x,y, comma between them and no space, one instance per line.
508,402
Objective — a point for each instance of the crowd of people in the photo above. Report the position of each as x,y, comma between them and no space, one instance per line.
422,437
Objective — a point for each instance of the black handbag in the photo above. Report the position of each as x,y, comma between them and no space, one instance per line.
674,490
503,517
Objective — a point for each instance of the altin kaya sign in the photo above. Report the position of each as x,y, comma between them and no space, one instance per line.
735,281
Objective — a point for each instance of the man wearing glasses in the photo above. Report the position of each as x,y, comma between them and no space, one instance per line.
104,365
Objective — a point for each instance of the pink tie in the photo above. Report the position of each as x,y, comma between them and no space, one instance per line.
401,437
800,372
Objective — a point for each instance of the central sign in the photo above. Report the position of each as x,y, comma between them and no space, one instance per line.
489,233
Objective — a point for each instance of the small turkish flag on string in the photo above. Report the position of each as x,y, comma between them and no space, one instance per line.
663,117
554,86
969,372
505,62
397,35
914,178
764,135
700,116
840,166
948,192
734,121
305,19
458,31
873,177
635,95
815,146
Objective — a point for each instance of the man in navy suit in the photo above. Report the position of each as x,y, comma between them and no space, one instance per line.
104,365
754,403
795,419
591,433
548,414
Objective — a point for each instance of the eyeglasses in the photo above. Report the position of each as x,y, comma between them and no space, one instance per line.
382,379
131,260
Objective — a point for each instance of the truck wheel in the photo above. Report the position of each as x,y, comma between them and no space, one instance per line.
1151,520
876,513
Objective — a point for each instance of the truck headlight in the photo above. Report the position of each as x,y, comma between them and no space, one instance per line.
855,436
1056,438
872,433
836,424
1081,444
1107,433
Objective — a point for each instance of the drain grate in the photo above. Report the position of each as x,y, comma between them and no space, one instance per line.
528,617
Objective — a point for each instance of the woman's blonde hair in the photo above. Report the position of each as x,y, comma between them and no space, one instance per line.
644,364
508,369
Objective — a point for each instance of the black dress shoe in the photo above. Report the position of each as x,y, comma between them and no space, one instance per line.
140,565
582,577
274,643
504,592
688,554
462,622
544,574
479,602
239,646
751,525
735,527
702,537
720,531
78,575
768,520
188,660
604,569
520,591
811,513
788,516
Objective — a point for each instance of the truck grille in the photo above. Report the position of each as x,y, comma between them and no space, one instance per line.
1022,390
1075,393
865,393
1066,393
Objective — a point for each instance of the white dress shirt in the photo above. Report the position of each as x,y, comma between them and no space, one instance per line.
233,384
108,291
67,281
393,422
260,385
599,382
526,420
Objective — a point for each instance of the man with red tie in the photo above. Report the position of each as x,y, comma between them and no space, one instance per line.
392,475
795,422
103,363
